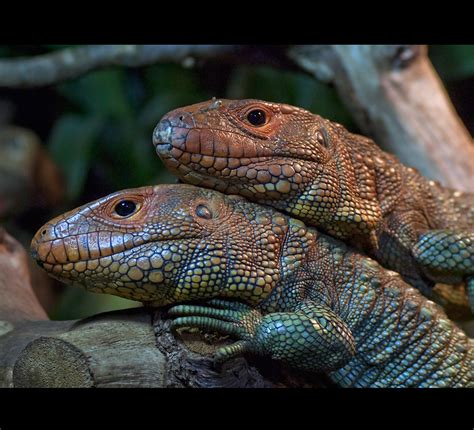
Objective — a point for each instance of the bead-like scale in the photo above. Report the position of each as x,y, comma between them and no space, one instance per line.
341,183
283,290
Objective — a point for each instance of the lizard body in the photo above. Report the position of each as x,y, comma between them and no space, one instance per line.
282,289
317,171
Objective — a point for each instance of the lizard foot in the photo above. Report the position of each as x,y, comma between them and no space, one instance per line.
447,255
311,337
446,252
232,318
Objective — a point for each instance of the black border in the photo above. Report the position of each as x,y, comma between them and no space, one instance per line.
187,408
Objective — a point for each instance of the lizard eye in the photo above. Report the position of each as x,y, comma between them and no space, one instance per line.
203,212
125,208
321,138
257,117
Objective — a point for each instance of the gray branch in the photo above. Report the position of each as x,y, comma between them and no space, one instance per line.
396,97
73,62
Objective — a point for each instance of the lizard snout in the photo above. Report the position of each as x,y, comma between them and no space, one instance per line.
41,245
172,132
162,132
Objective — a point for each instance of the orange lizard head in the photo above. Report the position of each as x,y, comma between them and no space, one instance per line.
272,153
168,243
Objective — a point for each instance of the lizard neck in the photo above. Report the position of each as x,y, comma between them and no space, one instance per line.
356,210
247,264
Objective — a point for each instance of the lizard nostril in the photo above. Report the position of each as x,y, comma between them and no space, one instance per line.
181,117
43,232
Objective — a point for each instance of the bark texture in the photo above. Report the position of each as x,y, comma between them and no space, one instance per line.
396,97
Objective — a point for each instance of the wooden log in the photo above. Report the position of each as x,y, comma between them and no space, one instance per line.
107,350
18,301
17,338
129,348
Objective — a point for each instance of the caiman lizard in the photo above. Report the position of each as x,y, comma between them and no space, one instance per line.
281,289
342,183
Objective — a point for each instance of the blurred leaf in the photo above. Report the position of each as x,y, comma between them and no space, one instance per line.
288,87
168,87
100,93
135,89
169,77
453,62
132,159
175,86
145,158
71,146
77,303
156,108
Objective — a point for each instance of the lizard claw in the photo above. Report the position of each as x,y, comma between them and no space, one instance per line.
227,317
230,351
205,323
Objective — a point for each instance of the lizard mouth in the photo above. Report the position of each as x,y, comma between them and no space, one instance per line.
172,141
227,174
50,259
133,273
163,149
114,275
209,159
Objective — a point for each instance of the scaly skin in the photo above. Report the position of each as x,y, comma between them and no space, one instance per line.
316,171
282,289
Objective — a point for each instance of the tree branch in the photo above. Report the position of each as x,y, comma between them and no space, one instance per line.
396,97
73,62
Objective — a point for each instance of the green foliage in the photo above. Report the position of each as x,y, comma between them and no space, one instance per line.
453,62
118,109
76,303
100,93
71,145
